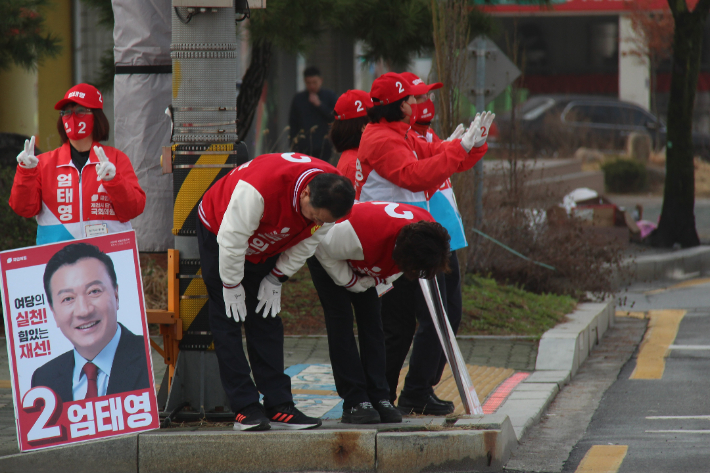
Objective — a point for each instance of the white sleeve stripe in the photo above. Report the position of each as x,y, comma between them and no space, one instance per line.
352,282
300,180
201,214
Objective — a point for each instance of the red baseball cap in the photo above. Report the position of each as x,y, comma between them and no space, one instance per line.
82,94
352,104
418,86
389,88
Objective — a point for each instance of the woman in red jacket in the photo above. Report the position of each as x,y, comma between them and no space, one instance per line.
80,189
346,131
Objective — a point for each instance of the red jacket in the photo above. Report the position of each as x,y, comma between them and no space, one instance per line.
73,206
255,212
396,166
363,244
347,164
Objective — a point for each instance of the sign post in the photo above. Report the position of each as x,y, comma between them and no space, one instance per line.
493,73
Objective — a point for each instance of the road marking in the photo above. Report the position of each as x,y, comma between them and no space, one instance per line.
678,431
689,347
662,330
603,459
677,417
681,285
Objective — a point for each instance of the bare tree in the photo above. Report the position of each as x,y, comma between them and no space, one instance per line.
677,225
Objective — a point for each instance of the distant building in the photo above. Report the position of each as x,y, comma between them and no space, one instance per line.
576,47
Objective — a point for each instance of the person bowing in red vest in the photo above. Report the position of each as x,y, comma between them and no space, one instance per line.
256,228
376,244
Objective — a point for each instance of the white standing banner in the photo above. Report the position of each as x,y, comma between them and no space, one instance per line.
77,341
469,398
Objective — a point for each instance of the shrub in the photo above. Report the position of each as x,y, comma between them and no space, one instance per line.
17,231
528,219
625,175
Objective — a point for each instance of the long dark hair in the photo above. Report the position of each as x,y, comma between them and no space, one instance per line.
346,134
392,112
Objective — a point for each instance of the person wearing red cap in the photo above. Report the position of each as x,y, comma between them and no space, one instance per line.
346,131
403,307
378,242
394,165
82,188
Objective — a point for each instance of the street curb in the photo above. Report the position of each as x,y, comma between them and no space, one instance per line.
675,266
419,444
561,352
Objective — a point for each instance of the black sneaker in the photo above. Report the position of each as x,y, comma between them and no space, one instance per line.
388,413
252,418
286,416
427,405
363,413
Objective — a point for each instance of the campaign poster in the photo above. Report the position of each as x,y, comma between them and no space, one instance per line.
77,341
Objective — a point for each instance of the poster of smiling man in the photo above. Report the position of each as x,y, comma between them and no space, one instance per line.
77,341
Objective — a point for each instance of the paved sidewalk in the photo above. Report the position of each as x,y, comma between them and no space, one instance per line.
512,353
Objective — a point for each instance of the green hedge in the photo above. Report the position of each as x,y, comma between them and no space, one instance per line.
625,176
16,231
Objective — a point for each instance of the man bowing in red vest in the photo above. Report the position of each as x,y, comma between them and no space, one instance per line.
257,226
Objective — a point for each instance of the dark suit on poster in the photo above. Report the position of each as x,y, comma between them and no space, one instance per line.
129,371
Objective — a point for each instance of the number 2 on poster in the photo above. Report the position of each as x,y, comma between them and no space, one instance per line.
39,430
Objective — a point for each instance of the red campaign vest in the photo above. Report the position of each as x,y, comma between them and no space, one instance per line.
377,225
279,178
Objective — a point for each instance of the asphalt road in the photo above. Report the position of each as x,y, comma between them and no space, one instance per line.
655,415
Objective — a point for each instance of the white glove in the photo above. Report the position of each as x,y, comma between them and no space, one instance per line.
457,133
362,284
234,302
105,170
26,158
269,296
477,133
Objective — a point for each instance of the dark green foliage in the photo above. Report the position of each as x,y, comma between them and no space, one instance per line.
624,176
105,11
22,39
17,231
290,25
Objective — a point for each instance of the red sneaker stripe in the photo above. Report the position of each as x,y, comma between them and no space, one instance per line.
276,415
288,418
283,416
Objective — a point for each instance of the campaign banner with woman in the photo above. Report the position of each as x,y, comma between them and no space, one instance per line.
77,341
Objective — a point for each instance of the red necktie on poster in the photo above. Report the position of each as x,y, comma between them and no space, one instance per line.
91,371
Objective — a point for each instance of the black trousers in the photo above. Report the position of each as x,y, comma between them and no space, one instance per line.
265,336
358,377
402,308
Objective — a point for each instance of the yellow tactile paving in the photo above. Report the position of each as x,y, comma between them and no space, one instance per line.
662,330
5,383
603,459
484,378
681,285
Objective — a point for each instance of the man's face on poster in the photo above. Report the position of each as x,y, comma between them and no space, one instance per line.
85,305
